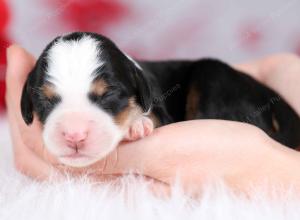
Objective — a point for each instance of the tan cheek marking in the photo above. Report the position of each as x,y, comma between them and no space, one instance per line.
49,91
192,106
128,115
99,87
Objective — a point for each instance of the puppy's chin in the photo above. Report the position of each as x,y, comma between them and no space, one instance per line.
90,154
84,157
99,144
78,160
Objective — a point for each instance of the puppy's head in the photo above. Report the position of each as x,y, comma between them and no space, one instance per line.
86,93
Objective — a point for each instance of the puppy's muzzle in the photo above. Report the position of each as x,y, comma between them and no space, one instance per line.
74,130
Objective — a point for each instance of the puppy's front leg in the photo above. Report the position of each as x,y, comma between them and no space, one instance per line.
140,128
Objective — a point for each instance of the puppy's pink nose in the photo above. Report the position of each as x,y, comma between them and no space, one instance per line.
74,129
75,139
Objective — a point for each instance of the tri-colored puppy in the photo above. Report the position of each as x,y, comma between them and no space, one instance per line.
89,95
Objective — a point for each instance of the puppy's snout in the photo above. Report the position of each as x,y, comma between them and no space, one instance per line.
75,139
74,130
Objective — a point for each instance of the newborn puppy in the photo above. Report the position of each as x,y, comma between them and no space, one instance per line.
89,96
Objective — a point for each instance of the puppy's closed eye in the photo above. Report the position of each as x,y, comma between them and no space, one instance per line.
101,99
106,96
113,100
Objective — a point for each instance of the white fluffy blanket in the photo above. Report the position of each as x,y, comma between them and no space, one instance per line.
21,198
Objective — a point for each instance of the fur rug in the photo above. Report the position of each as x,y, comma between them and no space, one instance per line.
22,198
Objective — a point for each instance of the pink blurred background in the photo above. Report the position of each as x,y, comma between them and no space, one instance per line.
232,30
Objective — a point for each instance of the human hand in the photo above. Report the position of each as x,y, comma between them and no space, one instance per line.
30,156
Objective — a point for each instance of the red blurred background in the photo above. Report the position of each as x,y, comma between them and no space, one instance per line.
232,30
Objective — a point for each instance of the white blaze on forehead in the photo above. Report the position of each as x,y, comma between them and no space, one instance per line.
71,65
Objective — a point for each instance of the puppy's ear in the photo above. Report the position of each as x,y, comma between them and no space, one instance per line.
144,90
26,104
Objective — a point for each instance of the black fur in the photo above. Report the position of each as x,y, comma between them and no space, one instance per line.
26,104
227,94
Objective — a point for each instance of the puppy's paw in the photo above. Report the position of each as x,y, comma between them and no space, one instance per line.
140,128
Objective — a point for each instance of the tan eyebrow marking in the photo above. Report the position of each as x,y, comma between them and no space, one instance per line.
99,87
49,91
